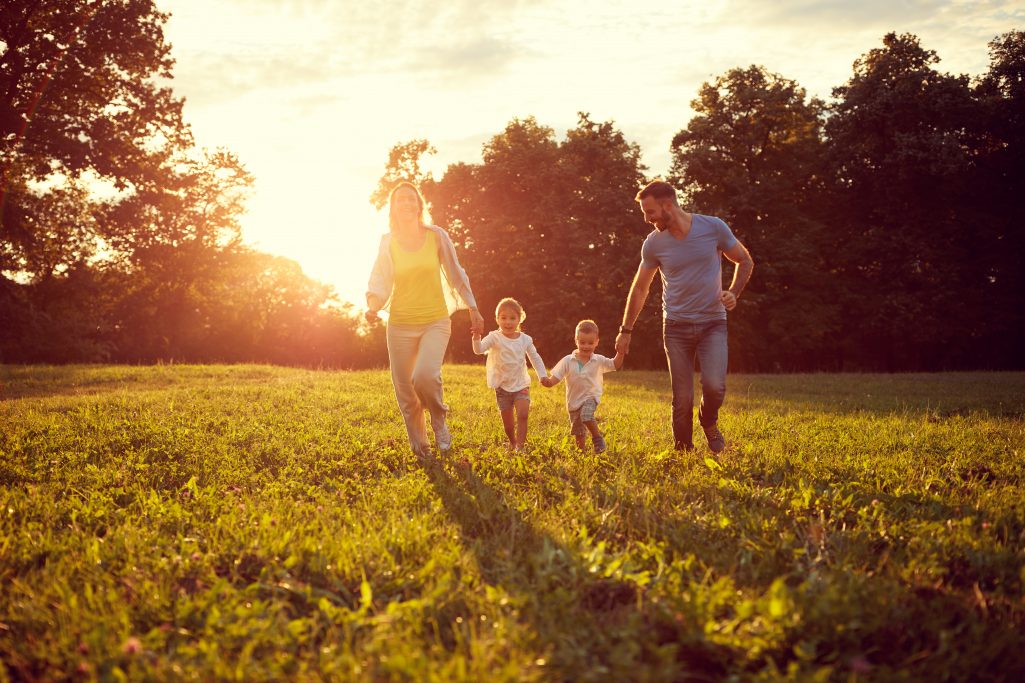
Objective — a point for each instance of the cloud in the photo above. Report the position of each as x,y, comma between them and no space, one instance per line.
947,26
211,77
840,15
268,44
477,58
815,42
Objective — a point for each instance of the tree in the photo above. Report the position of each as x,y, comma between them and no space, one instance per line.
906,237
547,222
998,186
176,239
62,319
80,101
403,164
751,155
263,308
50,231
152,267
81,106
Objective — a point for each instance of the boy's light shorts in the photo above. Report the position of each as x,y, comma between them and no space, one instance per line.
507,399
585,413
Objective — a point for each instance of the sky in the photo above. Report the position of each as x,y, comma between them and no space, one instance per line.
312,94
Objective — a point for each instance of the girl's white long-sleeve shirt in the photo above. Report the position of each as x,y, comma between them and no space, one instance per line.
506,367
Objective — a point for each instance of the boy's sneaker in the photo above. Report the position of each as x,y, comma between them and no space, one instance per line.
443,438
716,441
599,444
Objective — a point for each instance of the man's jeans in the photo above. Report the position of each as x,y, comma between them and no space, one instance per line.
707,342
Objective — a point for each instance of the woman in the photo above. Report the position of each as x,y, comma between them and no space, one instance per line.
408,279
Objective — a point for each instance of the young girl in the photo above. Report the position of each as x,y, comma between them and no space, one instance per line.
507,370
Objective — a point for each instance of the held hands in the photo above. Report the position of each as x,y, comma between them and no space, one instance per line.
623,343
549,382
728,299
371,316
476,323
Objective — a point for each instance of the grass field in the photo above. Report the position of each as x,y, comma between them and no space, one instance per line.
259,523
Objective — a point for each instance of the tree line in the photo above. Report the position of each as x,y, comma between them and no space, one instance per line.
884,222
119,238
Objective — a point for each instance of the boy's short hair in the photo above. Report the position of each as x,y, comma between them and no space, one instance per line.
587,327
509,302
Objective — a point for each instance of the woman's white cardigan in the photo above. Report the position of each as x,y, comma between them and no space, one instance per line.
457,292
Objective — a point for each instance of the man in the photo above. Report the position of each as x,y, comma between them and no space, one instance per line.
685,248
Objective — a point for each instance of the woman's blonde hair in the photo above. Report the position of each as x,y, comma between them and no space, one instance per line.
509,302
391,204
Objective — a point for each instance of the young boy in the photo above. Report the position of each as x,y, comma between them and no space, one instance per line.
583,370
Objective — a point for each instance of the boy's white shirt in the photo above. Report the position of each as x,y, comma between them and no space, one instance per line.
506,368
583,382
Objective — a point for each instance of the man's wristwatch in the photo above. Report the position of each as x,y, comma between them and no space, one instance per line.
625,330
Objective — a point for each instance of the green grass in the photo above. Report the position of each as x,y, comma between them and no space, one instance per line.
258,523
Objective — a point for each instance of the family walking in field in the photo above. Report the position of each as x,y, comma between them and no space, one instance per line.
418,278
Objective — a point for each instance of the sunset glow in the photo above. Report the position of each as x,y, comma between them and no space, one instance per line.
312,95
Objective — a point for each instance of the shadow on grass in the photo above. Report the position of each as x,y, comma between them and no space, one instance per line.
756,529
589,625
851,595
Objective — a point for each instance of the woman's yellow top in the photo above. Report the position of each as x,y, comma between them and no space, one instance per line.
417,296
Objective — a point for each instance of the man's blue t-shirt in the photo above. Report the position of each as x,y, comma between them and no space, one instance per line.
691,269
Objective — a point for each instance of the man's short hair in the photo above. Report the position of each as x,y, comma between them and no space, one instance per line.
658,189
587,327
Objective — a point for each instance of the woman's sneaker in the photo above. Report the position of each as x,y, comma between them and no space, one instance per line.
443,438
716,441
